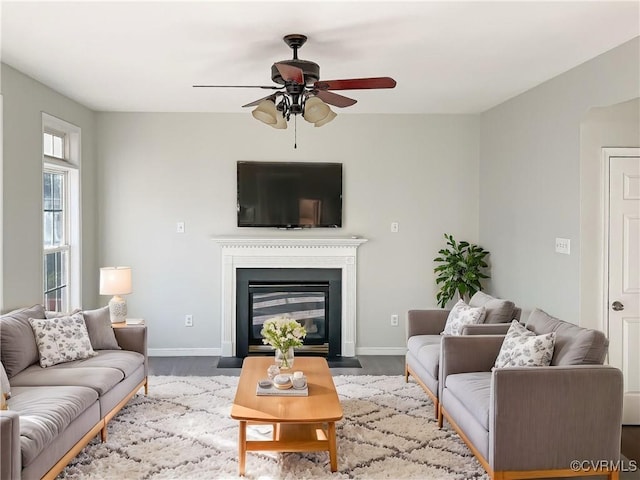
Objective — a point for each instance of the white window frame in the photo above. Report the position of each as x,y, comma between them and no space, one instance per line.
72,207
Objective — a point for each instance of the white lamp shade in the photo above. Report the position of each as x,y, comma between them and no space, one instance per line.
281,123
315,110
115,281
266,112
330,116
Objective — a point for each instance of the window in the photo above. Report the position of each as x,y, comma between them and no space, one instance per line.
60,215
56,246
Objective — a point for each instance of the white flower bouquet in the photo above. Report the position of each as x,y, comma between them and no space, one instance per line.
282,333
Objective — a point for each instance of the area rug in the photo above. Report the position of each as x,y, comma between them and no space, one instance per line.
182,430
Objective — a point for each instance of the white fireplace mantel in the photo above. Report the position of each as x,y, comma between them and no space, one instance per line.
288,252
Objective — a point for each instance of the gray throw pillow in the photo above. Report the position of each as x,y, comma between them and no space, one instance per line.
100,330
18,348
498,310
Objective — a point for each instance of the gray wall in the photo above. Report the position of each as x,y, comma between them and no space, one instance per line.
157,169
530,180
24,100
614,126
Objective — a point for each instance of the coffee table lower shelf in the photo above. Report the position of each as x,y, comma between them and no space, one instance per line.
291,437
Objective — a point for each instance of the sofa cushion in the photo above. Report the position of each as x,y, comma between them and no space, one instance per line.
473,390
18,347
100,330
523,348
498,310
125,361
415,343
61,339
100,379
429,357
460,315
45,412
574,345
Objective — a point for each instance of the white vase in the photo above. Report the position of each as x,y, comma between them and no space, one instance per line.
284,360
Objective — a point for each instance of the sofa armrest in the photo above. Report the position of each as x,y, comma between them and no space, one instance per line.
486,329
10,456
426,322
134,338
582,404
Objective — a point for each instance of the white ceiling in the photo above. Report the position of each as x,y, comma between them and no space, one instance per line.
447,57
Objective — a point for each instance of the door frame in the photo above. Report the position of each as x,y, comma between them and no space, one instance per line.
607,153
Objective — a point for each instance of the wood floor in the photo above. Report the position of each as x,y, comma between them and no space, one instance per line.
371,365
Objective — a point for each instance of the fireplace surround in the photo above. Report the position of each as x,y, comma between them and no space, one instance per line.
288,253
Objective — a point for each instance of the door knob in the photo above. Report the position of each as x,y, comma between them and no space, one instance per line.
617,306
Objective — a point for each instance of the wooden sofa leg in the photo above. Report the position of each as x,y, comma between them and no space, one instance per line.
440,420
103,433
406,373
614,475
146,386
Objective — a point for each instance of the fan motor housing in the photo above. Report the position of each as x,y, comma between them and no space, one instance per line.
311,71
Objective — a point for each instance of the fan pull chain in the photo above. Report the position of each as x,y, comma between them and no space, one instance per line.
295,131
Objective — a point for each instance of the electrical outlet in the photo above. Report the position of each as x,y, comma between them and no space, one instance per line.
394,320
180,227
188,320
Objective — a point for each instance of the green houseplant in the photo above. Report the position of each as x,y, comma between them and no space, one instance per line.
460,270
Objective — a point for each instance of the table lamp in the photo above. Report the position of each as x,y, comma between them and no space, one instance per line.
116,281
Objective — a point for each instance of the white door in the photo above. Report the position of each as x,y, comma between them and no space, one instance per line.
623,301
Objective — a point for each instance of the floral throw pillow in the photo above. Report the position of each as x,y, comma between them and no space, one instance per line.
523,348
460,315
61,339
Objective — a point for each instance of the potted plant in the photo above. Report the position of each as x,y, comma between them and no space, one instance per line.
460,270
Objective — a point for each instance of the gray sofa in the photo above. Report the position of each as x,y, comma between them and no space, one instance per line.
532,422
423,338
54,412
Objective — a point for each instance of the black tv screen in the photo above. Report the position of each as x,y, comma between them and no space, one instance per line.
289,195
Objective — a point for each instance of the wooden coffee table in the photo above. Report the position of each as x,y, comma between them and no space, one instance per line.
300,424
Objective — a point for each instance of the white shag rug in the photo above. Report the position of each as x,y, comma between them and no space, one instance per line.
182,430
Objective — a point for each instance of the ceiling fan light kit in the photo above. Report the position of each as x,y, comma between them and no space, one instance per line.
302,92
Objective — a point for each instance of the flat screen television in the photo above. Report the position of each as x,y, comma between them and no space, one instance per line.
289,195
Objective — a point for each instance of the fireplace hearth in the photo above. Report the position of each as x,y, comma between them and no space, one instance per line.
311,296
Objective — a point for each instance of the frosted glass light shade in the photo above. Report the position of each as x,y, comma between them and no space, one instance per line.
330,116
281,123
315,110
266,112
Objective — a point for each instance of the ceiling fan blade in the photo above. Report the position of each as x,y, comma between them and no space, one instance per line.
256,102
266,87
290,73
355,83
335,99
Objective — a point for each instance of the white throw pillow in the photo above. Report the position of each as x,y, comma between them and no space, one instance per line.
61,339
460,315
523,348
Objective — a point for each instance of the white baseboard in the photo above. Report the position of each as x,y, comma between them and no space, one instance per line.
184,352
381,350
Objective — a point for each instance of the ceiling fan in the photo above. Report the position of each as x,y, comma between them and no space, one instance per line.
300,90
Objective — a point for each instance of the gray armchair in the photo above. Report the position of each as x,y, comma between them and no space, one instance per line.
423,338
533,422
